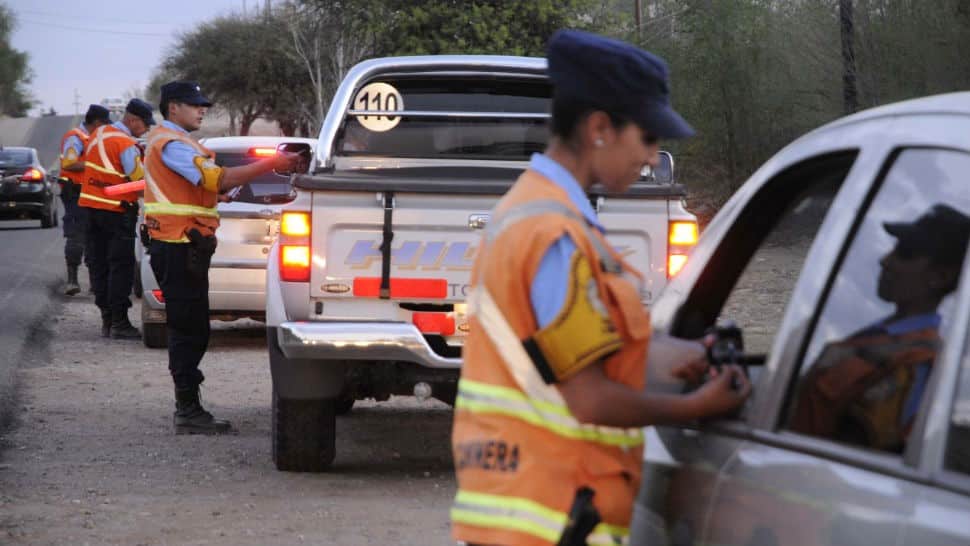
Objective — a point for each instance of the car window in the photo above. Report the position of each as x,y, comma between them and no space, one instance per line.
866,367
267,188
15,158
750,277
505,137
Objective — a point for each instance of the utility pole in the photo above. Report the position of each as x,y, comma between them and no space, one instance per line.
267,8
77,102
850,91
637,17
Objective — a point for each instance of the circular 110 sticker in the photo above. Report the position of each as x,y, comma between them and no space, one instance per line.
378,97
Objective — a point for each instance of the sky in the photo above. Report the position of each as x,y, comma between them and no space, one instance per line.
103,48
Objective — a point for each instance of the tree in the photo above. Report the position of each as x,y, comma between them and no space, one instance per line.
15,72
236,60
498,27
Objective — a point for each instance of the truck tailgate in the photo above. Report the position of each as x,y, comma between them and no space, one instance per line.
433,241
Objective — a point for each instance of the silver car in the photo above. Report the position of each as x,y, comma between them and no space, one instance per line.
842,264
248,226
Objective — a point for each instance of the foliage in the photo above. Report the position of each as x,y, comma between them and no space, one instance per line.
15,72
497,27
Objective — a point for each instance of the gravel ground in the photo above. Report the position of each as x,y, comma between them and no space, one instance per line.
92,459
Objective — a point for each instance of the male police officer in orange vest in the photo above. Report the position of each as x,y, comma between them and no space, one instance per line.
551,400
112,156
182,186
72,173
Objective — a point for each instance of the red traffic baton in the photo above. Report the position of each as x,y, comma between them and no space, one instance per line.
127,187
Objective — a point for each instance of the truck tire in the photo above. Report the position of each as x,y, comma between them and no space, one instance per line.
154,335
304,434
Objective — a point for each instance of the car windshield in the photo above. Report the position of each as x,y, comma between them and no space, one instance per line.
266,188
504,137
15,158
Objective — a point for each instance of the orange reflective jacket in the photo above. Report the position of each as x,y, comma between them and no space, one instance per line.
102,168
520,458
74,176
173,205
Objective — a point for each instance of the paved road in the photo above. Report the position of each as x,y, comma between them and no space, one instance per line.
31,266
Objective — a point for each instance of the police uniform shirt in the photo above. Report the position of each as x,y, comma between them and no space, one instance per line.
179,156
566,326
73,147
130,155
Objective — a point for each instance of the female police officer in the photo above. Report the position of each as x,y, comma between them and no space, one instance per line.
551,394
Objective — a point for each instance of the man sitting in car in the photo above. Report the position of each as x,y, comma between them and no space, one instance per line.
866,389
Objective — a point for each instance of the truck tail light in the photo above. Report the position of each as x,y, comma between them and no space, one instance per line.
682,237
32,175
295,247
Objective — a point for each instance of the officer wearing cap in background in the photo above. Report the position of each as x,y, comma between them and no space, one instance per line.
866,389
182,186
111,157
559,336
72,174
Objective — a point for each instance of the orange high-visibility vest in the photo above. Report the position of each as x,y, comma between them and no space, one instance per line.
173,205
78,176
520,459
102,168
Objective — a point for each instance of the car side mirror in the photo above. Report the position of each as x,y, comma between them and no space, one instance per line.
305,152
663,173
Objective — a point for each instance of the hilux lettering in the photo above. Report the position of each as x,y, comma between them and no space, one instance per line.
429,256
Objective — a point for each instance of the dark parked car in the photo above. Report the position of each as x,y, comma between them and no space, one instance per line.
843,265
25,190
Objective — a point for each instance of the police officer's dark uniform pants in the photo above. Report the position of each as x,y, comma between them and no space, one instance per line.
75,224
111,259
187,311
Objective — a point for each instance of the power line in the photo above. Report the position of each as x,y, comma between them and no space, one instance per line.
88,16
98,30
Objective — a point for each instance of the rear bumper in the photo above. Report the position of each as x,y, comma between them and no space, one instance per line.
375,341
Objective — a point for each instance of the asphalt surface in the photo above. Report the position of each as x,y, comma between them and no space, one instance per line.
31,269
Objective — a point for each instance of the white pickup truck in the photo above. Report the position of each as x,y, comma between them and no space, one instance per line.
366,285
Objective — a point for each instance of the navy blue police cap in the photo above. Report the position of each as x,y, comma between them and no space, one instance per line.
141,109
97,112
188,92
617,77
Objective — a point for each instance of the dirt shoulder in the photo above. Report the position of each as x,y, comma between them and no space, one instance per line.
92,459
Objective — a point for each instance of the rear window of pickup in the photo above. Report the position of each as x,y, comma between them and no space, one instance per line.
448,118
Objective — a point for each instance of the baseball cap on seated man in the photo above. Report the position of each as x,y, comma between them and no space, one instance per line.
141,109
188,92
617,77
96,112
941,234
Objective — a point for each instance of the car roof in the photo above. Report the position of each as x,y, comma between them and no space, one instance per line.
18,148
241,143
945,104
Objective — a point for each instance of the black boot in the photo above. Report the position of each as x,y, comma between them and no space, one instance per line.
105,323
71,287
121,327
191,418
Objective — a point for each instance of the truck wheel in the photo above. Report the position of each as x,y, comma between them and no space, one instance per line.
304,434
154,335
